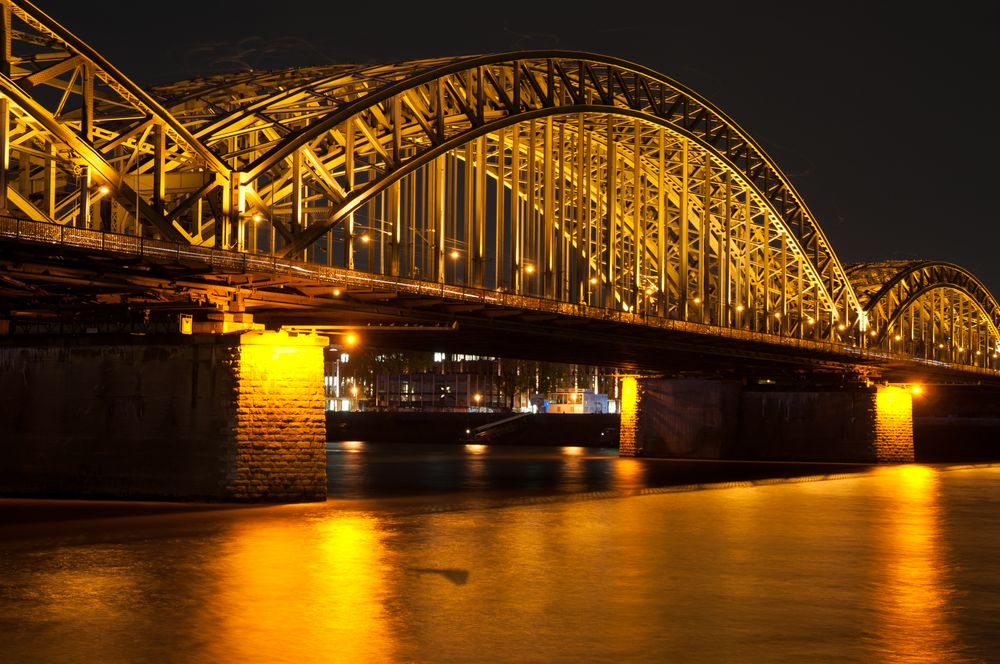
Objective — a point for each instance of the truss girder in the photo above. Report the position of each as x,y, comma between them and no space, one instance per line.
933,309
80,134
571,176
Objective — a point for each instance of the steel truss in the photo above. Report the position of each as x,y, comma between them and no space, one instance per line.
569,176
933,310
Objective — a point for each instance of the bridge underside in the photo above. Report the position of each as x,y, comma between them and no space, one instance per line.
51,288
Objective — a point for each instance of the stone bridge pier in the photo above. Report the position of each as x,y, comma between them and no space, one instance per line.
725,419
237,416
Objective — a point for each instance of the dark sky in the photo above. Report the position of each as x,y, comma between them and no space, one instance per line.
880,114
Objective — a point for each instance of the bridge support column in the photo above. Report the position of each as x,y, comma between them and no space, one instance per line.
719,419
219,417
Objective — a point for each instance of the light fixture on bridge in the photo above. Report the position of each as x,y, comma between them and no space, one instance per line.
740,307
104,189
915,389
593,281
454,253
898,337
777,314
697,300
841,327
873,333
649,291
351,340
365,239
529,268
336,292
811,321
961,350
257,218
940,345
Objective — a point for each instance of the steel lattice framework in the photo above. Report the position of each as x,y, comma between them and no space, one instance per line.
929,309
567,176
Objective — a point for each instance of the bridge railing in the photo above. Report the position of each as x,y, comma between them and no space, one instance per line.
231,262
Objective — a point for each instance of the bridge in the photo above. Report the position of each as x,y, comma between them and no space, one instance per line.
572,205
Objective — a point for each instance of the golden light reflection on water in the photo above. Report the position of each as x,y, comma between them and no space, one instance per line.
301,594
912,591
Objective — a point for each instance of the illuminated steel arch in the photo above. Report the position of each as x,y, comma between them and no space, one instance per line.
571,176
78,134
931,309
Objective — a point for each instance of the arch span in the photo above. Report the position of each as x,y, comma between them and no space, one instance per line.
934,309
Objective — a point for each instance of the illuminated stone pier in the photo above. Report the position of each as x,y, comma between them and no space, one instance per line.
719,419
209,416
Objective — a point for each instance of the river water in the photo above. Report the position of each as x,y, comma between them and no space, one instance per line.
479,554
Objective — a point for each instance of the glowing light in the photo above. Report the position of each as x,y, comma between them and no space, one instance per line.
740,307
571,450
940,345
353,446
629,414
915,389
336,292
593,280
811,321
257,219
364,238
354,390
351,340
475,448
454,253
873,333
777,315
477,396
529,269
649,291
898,337
841,327
961,350
697,300
104,189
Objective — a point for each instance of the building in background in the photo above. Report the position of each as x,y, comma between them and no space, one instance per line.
367,379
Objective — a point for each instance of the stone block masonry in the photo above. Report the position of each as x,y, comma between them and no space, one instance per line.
718,419
217,417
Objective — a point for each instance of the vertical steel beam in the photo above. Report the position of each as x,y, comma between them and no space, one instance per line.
682,270
4,128
547,240
159,162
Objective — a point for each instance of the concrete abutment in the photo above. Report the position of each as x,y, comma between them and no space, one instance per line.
213,417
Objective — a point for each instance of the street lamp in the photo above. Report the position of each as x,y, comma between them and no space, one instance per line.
477,396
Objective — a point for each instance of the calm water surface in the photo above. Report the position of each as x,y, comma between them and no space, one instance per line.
475,554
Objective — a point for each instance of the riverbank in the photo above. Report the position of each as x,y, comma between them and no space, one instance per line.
558,429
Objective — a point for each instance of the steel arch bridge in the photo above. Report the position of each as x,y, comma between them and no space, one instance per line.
563,177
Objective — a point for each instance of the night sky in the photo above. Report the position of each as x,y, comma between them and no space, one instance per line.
881,116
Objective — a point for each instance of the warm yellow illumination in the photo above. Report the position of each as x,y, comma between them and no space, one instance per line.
841,327
777,315
454,253
364,238
940,345
529,269
477,396
354,390
873,333
104,189
898,337
697,300
257,218
961,350
336,292
351,340
649,291
811,321
629,415
915,389
593,280
740,307
572,451
475,448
